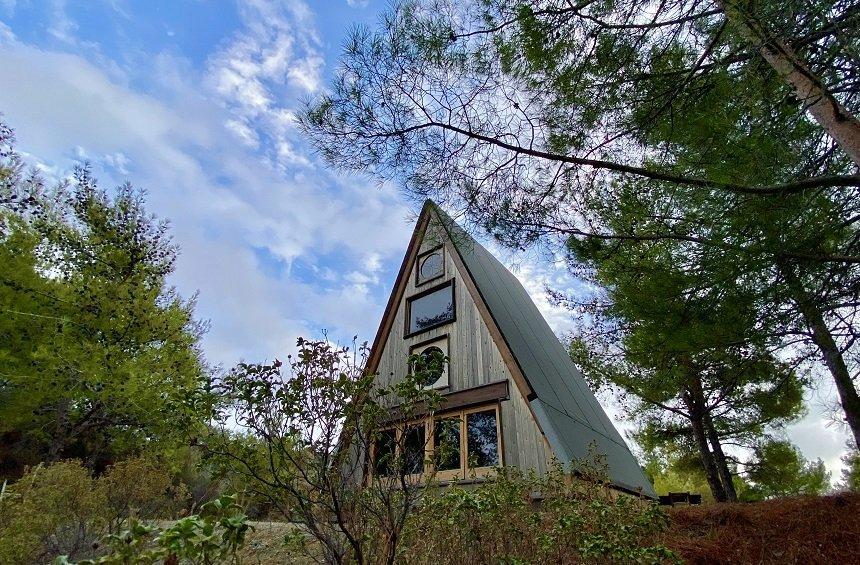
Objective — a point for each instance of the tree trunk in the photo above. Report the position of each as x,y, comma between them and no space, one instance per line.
835,119
708,463
721,461
61,432
833,359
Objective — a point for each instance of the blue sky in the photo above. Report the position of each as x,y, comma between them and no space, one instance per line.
194,101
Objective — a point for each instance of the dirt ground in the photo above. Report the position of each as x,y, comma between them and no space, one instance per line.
803,529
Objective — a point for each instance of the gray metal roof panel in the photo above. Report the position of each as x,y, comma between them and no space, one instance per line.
572,416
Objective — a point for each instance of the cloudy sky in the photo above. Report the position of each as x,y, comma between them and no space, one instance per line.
194,101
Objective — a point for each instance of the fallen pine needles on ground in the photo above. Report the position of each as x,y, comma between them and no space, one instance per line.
803,529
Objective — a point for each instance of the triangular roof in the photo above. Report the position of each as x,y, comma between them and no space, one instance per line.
560,400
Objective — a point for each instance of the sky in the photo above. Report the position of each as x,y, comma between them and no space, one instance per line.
195,101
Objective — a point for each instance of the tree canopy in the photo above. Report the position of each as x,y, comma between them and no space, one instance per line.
100,356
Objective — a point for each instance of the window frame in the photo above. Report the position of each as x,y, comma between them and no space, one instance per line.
420,257
407,322
416,349
429,423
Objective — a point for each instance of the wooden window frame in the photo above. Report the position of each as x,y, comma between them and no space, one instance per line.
429,423
399,430
408,310
420,257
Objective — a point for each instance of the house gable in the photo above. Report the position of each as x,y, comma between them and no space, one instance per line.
498,334
475,361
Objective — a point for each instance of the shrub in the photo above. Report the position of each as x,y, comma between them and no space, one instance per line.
139,488
213,536
53,510
523,518
61,509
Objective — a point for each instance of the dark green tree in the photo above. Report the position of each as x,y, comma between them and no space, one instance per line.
99,354
689,361
850,479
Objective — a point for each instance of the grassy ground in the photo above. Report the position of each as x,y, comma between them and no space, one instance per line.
265,545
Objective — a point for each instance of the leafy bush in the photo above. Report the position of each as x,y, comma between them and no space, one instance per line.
61,509
523,518
53,510
213,536
139,488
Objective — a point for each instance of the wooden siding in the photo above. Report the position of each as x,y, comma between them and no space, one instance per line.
475,360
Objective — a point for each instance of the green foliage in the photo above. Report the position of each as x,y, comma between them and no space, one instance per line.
781,470
62,509
140,488
851,470
50,511
100,355
212,536
522,518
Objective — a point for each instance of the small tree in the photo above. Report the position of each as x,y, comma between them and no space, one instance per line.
851,470
313,429
781,470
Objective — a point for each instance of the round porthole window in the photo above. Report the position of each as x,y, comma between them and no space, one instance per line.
432,362
431,266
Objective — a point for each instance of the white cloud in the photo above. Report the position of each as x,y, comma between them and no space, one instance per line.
260,72
223,199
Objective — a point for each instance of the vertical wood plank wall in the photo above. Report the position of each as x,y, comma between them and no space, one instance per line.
474,360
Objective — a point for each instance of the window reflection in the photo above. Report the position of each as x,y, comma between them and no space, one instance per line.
413,446
482,438
432,309
431,266
383,452
447,442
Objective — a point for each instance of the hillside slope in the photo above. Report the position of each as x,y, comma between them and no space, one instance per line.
804,529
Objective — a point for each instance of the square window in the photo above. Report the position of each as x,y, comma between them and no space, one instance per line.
430,309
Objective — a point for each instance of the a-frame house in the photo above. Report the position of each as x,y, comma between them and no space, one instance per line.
512,396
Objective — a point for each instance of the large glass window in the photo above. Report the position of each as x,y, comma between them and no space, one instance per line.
483,439
432,309
446,444
384,452
462,444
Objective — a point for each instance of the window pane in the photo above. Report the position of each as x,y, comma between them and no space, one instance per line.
482,439
413,446
432,362
432,309
383,452
447,444
431,266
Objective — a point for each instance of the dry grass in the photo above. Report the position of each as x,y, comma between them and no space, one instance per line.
265,545
803,529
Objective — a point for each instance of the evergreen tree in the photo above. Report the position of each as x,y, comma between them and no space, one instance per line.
99,354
